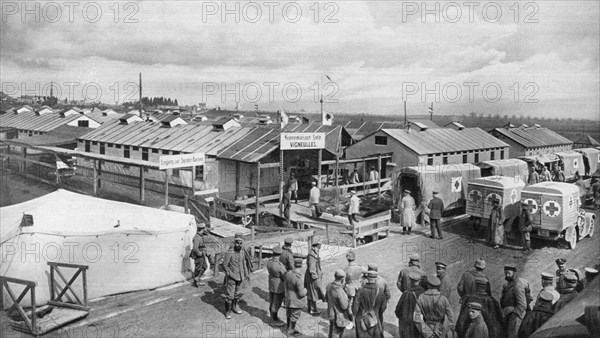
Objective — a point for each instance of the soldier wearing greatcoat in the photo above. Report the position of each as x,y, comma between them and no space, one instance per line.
513,301
277,272
295,295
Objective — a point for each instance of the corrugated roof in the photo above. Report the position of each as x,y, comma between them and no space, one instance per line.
587,139
533,137
34,122
183,138
58,136
443,140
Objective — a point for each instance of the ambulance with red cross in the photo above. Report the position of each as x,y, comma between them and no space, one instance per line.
554,207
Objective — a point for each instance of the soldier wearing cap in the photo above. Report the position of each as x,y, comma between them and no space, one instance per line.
277,272
436,207
568,293
353,273
313,279
513,301
542,311
368,298
353,208
433,312
561,269
477,327
313,200
238,267
445,287
547,285
407,208
590,274
295,295
287,256
414,265
337,305
525,221
491,311
467,286
199,254
383,288
406,307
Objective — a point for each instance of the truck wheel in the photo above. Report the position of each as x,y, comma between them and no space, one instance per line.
571,237
591,227
476,223
582,225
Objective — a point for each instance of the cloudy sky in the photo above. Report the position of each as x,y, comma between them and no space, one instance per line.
529,58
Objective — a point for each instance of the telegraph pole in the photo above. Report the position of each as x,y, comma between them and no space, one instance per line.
140,108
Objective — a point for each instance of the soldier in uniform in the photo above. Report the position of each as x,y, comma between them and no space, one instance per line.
276,285
513,301
525,221
353,278
445,287
238,267
568,293
477,327
495,235
199,254
368,298
407,207
337,305
287,256
467,286
542,311
383,289
561,269
547,285
313,279
433,312
295,294
491,311
406,307
436,207
414,265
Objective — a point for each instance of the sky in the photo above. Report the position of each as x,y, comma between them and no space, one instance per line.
524,58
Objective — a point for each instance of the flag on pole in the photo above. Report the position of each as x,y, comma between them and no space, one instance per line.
284,119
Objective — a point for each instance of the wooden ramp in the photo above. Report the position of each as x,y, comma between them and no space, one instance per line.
59,317
300,213
225,229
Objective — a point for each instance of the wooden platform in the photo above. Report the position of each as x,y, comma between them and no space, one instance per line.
300,213
59,317
224,229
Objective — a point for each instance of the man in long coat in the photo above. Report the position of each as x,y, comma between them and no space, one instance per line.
568,293
547,285
433,312
496,226
407,208
414,265
513,301
277,272
525,221
286,205
540,314
467,285
337,305
314,199
353,208
287,256
368,297
199,254
295,294
353,273
490,311
445,287
383,288
313,279
238,267
477,327
436,208
406,308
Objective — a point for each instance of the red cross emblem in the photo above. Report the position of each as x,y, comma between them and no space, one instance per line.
475,196
551,208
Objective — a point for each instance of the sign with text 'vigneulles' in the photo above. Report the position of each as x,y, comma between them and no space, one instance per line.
296,141
181,161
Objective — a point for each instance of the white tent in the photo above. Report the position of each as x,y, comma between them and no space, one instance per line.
149,247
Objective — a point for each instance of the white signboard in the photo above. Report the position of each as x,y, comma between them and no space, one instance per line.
296,141
181,161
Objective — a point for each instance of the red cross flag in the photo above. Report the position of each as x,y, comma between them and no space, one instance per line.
457,184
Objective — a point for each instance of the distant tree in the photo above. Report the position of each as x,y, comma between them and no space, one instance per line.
177,104
473,115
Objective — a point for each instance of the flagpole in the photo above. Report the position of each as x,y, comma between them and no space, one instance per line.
321,99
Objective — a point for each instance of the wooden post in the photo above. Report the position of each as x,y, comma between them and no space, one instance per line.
33,314
95,177
52,283
319,168
186,200
327,231
142,185
354,236
337,187
57,171
193,180
99,174
378,176
260,256
364,177
85,295
281,180
257,198
237,179
167,171
23,166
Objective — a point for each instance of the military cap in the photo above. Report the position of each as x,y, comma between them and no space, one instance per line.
560,261
436,193
570,277
277,250
353,192
406,191
433,281
547,276
546,295
350,256
201,225
480,263
314,183
475,306
372,274
440,264
510,267
238,237
414,258
481,280
339,273
298,262
414,276
372,267
288,240
591,271
315,243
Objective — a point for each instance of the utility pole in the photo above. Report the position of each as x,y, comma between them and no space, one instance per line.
405,113
140,108
431,112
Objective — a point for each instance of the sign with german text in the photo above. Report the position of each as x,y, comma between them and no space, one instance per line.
181,161
297,141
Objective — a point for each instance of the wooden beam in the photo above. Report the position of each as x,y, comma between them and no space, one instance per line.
193,180
378,176
95,178
356,160
56,159
270,165
257,222
364,175
320,160
237,179
337,190
167,172
143,185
